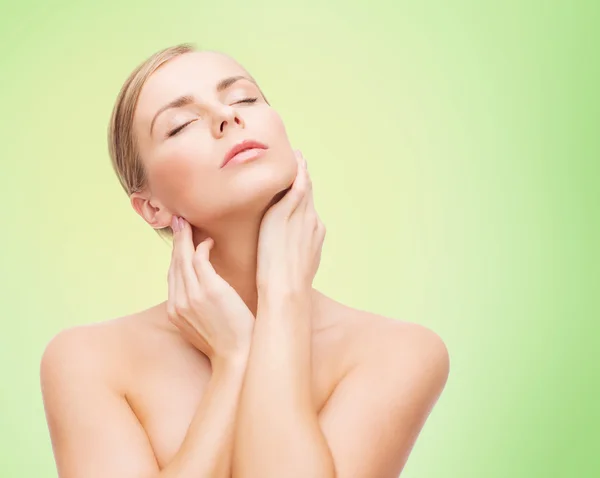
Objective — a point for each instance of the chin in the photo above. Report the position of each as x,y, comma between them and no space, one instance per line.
259,182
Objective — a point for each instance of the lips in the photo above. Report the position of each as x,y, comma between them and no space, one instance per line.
243,146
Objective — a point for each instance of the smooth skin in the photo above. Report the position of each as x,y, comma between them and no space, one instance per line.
246,370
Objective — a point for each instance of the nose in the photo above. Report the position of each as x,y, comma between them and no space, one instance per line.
223,117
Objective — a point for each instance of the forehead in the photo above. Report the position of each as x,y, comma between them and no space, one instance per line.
195,72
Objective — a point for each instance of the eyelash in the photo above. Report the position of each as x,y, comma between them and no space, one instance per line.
179,128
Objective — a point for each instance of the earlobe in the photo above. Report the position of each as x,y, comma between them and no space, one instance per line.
151,211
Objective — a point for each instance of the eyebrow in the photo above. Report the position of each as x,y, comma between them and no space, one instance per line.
188,99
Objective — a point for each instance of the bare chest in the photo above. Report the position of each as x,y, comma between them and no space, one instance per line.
168,386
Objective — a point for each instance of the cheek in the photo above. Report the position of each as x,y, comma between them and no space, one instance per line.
276,126
179,180
279,134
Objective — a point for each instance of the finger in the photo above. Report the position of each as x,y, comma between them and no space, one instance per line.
293,199
303,218
304,183
171,293
321,230
169,273
186,256
201,263
311,218
307,200
177,291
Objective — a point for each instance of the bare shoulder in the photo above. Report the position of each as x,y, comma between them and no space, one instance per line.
80,346
100,350
395,372
390,344
388,336
84,371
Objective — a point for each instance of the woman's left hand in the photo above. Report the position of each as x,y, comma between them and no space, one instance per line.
290,239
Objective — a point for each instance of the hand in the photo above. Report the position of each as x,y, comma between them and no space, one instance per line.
205,308
291,239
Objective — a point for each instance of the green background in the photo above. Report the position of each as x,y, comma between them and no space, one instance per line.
454,154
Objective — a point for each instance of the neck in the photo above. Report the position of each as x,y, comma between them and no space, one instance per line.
234,254
234,257
235,251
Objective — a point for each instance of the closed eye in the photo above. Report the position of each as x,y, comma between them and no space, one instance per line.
246,100
179,128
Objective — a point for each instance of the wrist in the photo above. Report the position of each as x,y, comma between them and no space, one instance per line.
283,290
232,362
283,298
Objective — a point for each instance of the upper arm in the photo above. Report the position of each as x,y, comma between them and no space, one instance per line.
375,414
94,432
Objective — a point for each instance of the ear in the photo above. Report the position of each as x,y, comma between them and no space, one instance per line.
151,210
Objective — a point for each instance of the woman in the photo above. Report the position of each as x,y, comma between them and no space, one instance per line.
245,370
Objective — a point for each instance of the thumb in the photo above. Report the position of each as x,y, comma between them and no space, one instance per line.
202,264
203,248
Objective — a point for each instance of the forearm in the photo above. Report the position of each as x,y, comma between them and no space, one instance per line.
277,431
206,451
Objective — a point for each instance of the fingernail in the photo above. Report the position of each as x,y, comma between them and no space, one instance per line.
181,223
174,224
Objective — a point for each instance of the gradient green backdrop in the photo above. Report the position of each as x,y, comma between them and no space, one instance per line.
454,153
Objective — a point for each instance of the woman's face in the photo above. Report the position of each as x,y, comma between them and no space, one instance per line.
183,147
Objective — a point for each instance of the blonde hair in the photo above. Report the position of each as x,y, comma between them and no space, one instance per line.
122,145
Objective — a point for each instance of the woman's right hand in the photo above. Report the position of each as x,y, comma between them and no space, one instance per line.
208,312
